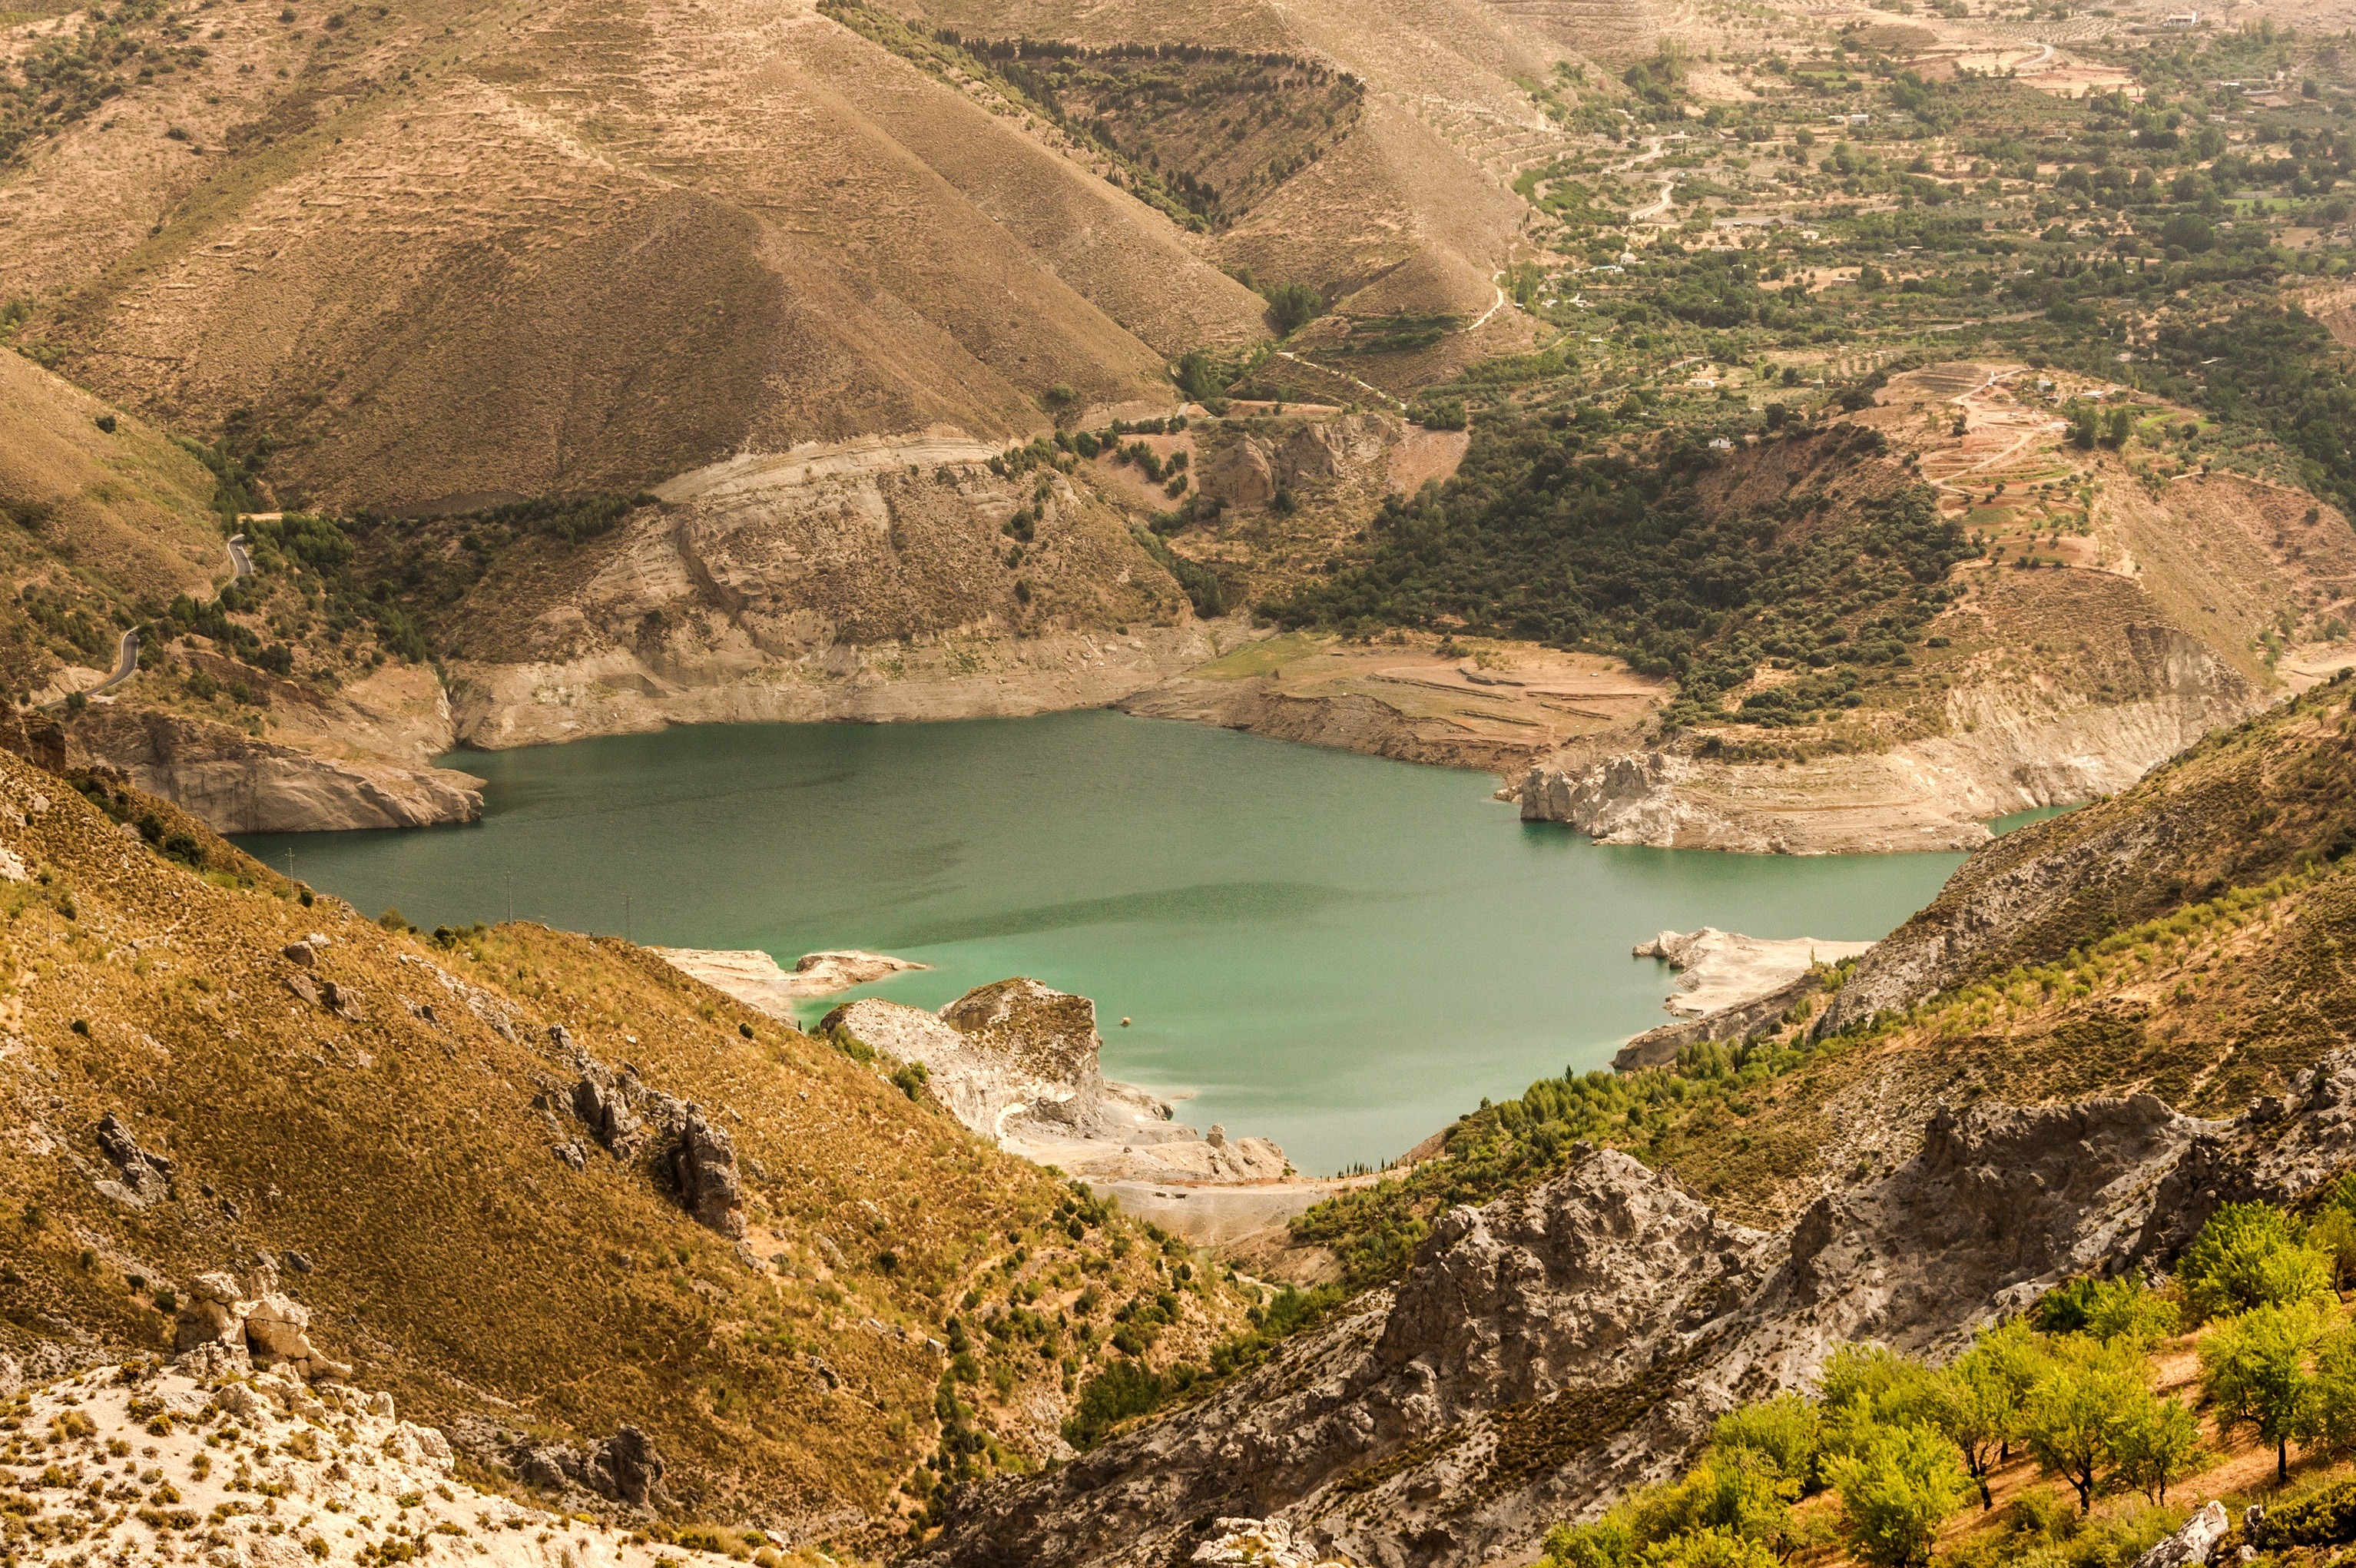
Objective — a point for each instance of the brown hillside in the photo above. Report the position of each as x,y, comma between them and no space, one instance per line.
469,253
406,1132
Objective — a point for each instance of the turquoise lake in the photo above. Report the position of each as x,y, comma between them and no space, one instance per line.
1335,951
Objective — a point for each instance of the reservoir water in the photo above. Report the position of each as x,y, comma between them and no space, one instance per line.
1335,951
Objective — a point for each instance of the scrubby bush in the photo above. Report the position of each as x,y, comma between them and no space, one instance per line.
1897,1485
2250,1255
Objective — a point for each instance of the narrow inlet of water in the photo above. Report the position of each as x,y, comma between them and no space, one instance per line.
1335,951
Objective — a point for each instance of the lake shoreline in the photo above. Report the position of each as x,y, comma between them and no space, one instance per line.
1338,953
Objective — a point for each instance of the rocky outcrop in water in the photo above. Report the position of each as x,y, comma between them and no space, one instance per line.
1554,1347
1018,1062
752,977
1729,985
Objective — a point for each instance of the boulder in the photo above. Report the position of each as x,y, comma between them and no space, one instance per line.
703,1162
275,1326
223,1324
1240,473
2191,1544
627,1469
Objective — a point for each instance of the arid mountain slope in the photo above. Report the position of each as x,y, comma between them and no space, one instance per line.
96,519
2244,806
1554,1347
466,252
2180,949
735,1238
870,581
495,252
112,532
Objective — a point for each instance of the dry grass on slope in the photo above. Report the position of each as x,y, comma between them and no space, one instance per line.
93,522
412,1160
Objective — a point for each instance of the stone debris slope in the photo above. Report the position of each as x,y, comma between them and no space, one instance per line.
207,1458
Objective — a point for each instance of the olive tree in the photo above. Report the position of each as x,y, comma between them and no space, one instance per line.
2258,1370
1897,1485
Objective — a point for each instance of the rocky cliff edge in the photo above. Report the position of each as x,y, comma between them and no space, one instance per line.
1552,1348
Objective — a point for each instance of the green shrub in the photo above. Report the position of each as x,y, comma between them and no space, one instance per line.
2325,1518
2251,1255
1787,1432
1292,305
1122,1389
2258,1372
1897,1485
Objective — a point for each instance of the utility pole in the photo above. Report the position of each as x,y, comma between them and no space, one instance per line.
626,917
510,898
290,863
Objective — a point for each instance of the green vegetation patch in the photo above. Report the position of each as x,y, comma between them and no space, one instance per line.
1537,539
1199,130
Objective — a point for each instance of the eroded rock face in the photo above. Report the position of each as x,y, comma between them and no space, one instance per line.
236,784
1047,1035
702,1163
1240,474
1553,1347
624,1115
624,1468
1571,1282
225,1321
145,1176
2005,748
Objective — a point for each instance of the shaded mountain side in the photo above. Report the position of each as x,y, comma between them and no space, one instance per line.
523,1178
2241,807
1406,206
95,521
1551,1348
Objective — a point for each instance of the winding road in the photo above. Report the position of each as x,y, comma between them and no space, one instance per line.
126,651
